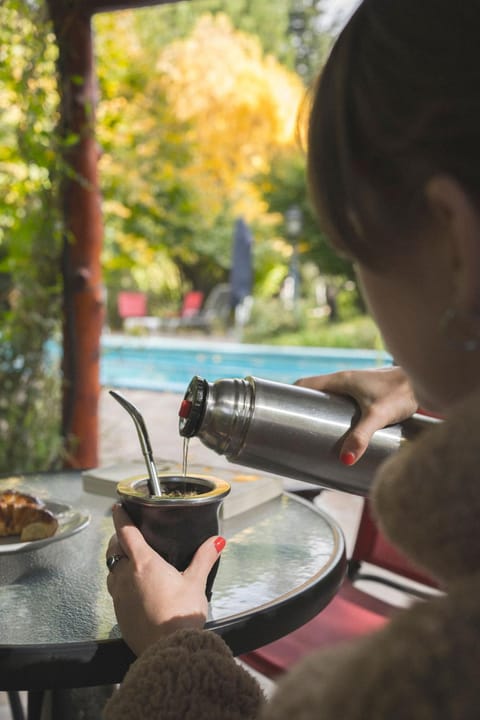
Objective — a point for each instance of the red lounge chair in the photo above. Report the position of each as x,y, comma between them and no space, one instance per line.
131,304
215,310
192,303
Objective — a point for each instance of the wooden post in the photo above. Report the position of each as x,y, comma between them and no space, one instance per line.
83,291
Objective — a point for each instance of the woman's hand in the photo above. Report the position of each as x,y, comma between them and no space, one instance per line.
152,598
384,397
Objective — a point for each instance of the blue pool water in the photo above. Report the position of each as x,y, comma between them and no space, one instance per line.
169,364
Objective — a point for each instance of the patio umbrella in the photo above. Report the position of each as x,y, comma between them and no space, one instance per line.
241,271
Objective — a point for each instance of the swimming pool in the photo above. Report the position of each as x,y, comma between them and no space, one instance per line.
168,364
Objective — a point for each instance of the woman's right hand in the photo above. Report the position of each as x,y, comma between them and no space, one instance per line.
383,395
151,598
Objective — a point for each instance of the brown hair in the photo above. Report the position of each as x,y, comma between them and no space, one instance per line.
397,101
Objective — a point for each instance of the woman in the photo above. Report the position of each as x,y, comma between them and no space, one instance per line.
394,172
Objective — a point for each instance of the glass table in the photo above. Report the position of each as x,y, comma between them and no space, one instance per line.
283,563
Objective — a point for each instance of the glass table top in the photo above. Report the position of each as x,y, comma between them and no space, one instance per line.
56,593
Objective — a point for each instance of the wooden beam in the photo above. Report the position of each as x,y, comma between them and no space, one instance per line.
96,6
90,7
83,294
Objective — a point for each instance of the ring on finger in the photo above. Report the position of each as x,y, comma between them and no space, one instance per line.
112,560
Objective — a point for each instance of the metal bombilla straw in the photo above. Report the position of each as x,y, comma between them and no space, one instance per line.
153,483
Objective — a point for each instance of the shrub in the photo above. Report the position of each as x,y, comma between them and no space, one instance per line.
30,234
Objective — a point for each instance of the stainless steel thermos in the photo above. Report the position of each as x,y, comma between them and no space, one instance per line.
287,430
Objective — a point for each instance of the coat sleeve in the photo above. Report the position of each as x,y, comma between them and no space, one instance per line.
423,665
188,675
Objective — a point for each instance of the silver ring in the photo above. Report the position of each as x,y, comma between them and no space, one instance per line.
113,560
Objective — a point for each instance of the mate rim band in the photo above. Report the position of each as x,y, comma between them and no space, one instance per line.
215,489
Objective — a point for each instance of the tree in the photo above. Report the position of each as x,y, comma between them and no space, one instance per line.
309,40
268,20
284,186
150,209
30,235
240,111
183,139
289,30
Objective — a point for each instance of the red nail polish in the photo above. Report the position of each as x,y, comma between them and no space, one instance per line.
347,458
220,543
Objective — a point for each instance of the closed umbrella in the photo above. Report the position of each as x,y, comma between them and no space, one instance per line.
241,271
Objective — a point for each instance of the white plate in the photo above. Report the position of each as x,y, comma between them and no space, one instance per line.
70,521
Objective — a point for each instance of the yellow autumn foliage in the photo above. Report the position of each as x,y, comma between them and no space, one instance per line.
242,105
186,128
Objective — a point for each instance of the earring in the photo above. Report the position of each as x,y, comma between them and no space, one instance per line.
450,324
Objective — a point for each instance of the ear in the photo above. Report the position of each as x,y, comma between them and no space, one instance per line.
459,218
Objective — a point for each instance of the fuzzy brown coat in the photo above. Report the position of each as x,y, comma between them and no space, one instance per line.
424,665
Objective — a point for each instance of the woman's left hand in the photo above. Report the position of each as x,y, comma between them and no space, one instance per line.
152,598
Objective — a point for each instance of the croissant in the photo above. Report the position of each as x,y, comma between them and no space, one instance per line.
25,515
15,497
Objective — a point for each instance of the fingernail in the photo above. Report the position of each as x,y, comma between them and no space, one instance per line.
347,458
220,543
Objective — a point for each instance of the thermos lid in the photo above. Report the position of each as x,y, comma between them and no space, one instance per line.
192,407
